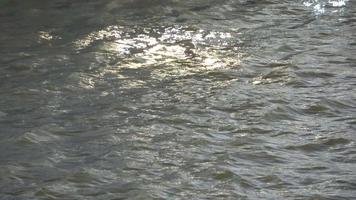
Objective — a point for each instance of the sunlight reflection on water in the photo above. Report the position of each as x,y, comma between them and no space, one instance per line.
177,51
319,7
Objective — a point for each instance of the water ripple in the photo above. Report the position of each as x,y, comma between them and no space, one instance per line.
134,99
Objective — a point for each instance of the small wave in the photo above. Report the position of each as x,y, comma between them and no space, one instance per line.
2,114
321,145
38,137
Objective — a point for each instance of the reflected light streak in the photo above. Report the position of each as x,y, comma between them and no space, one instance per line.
319,7
176,51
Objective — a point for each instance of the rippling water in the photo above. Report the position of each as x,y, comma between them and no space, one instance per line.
190,99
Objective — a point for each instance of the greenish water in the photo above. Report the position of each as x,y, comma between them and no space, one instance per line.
191,99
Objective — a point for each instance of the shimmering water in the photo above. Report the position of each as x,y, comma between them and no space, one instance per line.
177,99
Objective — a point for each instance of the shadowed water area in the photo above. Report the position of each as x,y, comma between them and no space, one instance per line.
177,99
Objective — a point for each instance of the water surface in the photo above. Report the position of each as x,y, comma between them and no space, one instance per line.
191,99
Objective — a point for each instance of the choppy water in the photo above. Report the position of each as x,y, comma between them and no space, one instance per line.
190,99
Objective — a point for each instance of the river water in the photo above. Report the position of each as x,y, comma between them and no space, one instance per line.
177,99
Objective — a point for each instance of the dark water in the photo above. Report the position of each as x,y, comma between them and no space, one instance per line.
177,99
